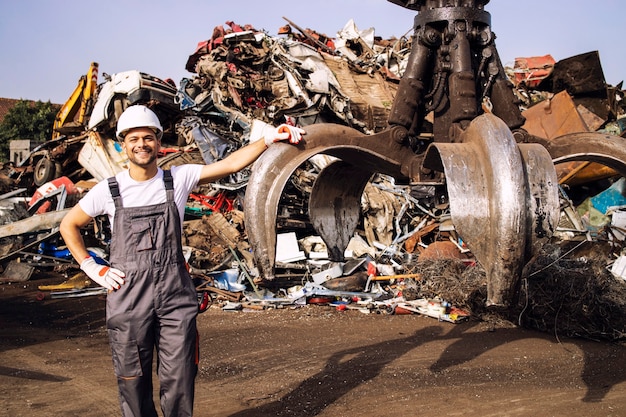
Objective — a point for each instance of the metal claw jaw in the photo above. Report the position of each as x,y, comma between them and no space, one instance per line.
503,199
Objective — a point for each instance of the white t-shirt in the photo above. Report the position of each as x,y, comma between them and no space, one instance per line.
98,201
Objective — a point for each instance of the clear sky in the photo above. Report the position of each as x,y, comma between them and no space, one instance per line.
46,45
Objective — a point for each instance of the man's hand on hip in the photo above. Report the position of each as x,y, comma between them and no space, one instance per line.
107,277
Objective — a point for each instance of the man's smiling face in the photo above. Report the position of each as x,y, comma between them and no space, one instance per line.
141,146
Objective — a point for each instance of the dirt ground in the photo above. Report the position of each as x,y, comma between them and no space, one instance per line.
311,361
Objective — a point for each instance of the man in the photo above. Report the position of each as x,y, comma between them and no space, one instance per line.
152,302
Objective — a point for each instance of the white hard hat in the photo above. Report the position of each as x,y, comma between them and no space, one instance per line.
138,116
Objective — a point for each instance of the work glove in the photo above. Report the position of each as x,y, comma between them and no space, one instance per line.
284,132
107,277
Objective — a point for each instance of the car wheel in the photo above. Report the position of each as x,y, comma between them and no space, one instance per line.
45,171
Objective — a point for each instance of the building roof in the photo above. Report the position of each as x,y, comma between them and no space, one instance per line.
6,104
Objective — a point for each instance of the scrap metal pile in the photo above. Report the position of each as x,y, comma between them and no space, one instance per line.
406,256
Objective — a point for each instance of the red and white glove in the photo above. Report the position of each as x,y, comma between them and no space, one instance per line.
284,132
107,277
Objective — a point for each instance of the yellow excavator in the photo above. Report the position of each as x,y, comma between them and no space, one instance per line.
68,132
71,119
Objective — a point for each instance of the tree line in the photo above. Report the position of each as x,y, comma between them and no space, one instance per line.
32,120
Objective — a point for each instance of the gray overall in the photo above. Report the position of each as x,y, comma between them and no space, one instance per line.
155,308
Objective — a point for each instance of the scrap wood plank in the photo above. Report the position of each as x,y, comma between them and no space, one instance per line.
78,281
34,223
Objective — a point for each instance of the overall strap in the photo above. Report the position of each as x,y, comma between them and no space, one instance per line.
115,191
169,184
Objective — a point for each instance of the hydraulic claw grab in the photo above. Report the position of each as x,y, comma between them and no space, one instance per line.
503,193
503,199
